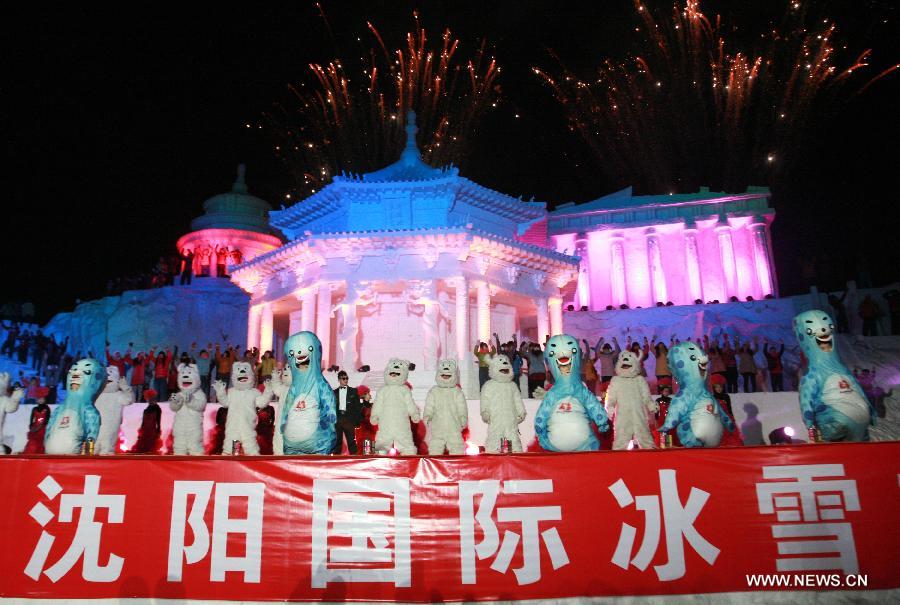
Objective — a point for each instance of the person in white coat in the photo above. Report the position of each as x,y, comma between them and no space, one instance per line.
188,404
501,406
8,403
394,409
116,394
242,401
628,400
445,411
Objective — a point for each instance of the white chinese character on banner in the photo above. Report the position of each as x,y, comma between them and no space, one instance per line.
222,526
813,506
86,542
364,514
678,519
528,517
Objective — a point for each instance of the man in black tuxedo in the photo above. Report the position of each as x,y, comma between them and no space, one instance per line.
349,414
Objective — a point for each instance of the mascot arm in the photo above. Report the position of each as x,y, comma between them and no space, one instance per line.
520,407
649,402
221,393
411,408
462,409
428,414
809,395
278,440
176,401
91,419
596,411
197,401
612,396
328,416
375,414
12,402
126,393
265,397
673,417
486,403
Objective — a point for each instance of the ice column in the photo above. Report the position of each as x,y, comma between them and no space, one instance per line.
654,259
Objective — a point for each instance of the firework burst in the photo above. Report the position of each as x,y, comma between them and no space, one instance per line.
690,109
350,116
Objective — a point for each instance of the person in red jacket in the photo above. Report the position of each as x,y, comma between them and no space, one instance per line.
139,365
117,360
161,373
37,426
150,431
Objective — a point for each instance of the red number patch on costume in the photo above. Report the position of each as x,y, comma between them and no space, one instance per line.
565,406
64,423
301,405
844,386
710,408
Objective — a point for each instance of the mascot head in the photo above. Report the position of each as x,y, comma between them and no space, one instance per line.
188,378
447,374
500,369
563,356
688,364
243,378
815,333
112,380
85,379
628,365
396,372
303,357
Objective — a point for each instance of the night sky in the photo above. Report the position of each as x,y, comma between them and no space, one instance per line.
117,125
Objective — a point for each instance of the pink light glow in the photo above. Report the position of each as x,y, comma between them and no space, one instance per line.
472,449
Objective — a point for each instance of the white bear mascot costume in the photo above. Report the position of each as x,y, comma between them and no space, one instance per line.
8,403
394,408
501,406
242,400
188,404
116,394
445,411
628,398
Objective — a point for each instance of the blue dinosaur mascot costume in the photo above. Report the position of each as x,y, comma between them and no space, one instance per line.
830,398
562,422
699,417
307,419
76,420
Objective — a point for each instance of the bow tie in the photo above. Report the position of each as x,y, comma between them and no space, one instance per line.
343,387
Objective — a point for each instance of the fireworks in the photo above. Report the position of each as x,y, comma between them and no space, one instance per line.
351,116
690,110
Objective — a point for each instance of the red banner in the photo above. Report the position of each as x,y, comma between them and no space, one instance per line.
525,526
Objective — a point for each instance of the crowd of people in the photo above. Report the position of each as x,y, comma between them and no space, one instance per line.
746,365
180,267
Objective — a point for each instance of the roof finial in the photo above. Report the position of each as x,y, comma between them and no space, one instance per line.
411,151
240,185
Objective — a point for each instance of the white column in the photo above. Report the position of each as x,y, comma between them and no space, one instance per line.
654,260
253,319
726,256
583,291
323,322
555,308
213,260
761,255
463,345
266,328
308,310
543,319
294,322
617,254
483,309
692,260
